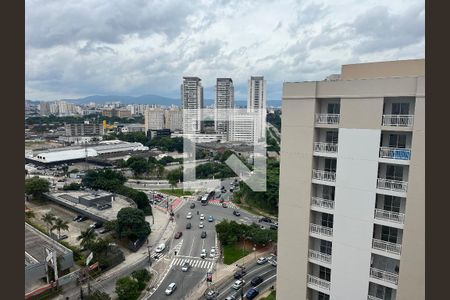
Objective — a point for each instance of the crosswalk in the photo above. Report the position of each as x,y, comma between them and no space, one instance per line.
194,262
178,246
229,204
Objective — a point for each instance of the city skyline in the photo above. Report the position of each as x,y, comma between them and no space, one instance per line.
109,54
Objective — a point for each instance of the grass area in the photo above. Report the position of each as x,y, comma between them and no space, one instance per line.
272,296
176,192
233,253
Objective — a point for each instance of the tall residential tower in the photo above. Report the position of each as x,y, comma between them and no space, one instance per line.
192,103
224,103
256,102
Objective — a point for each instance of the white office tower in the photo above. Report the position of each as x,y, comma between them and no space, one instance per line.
192,102
154,119
224,103
173,119
352,185
256,102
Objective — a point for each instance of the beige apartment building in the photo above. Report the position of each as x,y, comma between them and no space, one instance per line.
352,185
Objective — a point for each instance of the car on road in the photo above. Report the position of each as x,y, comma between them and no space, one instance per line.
262,260
236,213
188,226
185,267
192,205
251,293
265,219
202,217
231,297
273,261
231,189
104,230
273,226
160,248
257,280
171,288
239,274
212,253
203,253
83,218
238,284
189,215
203,235
200,225
210,219
77,217
96,225
224,205
178,235
211,295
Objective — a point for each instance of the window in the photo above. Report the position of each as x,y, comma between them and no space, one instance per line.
383,292
400,108
397,140
328,192
325,247
394,172
389,234
323,296
332,137
324,273
327,220
333,108
330,165
391,203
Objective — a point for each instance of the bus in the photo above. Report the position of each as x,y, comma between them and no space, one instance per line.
206,197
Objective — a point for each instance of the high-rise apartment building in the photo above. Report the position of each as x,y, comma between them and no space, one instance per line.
84,129
44,108
256,102
173,119
154,119
242,127
352,195
192,103
224,102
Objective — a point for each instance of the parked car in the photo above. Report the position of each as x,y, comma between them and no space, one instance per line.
202,217
239,274
96,225
160,248
224,205
63,237
251,293
83,218
192,205
262,260
189,215
188,226
104,230
203,253
171,288
231,297
76,218
200,225
238,284
203,235
265,219
211,295
178,235
210,219
185,267
236,213
257,280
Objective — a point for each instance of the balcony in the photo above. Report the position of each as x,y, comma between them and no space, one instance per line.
322,203
395,153
324,175
329,148
319,256
388,247
392,185
398,120
390,216
327,119
320,230
370,297
314,281
384,276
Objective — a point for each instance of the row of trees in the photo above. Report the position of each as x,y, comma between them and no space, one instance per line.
164,143
150,166
130,287
275,119
231,232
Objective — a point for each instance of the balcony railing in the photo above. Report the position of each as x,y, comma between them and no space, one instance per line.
395,153
317,255
325,147
398,120
319,229
387,246
316,281
323,203
330,119
324,175
392,185
387,215
384,275
370,297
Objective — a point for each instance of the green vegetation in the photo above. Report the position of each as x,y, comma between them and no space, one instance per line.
232,253
72,187
272,296
87,238
167,143
266,201
176,192
142,276
127,288
36,187
98,295
275,119
113,181
231,232
131,224
59,225
213,169
271,142
49,220
174,177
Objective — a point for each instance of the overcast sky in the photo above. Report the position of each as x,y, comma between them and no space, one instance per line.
136,47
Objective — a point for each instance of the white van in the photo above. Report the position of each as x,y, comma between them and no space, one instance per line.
160,248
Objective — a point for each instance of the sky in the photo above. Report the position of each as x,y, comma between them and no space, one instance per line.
135,47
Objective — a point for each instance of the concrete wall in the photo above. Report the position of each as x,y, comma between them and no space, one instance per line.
411,67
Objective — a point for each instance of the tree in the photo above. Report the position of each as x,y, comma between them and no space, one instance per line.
127,288
131,224
138,165
60,225
174,177
87,237
48,219
36,187
142,276
29,214
98,295
71,187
